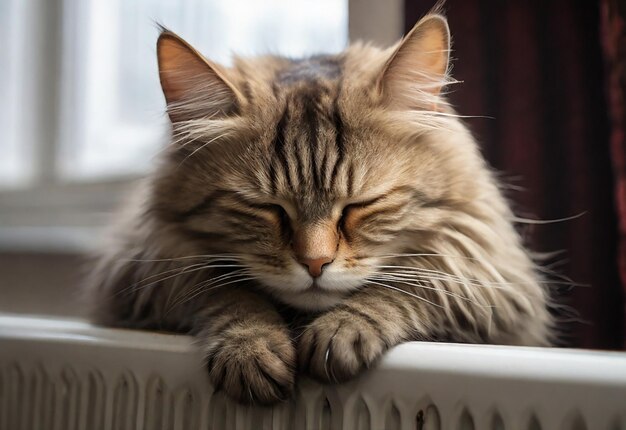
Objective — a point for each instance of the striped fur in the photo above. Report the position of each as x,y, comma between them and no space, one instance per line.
356,153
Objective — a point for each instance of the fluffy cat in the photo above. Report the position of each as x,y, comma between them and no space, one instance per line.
310,214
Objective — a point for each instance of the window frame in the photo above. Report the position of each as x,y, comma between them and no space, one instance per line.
52,214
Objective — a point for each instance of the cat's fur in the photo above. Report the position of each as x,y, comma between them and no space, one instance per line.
353,158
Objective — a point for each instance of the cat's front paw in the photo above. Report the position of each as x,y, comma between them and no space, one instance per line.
339,345
253,365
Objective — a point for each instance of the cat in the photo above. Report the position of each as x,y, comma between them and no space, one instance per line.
309,214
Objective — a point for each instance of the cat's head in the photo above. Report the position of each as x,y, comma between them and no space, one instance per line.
314,171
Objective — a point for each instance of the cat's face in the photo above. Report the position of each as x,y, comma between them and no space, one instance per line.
296,167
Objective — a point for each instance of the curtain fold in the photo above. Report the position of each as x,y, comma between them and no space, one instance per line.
537,69
613,26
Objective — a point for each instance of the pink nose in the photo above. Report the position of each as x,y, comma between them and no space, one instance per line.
315,265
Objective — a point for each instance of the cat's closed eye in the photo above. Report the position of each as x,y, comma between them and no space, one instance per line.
272,209
351,214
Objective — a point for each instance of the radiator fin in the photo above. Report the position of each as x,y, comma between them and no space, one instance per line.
362,417
15,397
154,405
392,418
496,422
431,419
615,424
4,385
576,422
533,423
42,398
93,401
70,399
325,414
284,416
186,408
37,396
217,412
466,422
125,403
34,396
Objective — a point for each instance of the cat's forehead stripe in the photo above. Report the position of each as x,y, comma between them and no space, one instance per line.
308,149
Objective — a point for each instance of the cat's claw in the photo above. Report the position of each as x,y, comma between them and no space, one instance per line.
253,367
338,346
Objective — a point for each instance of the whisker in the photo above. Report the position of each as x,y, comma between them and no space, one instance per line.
180,270
428,274
522,220
426,287
473,281
443,276
139,285
401,255
203,284
202,290
565,280
403,291
216,257
166,272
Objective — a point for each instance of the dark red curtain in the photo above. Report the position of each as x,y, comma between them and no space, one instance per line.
538,69
613,31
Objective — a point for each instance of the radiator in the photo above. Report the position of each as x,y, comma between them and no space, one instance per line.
66,375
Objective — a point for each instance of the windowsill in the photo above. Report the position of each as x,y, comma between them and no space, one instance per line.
66,217
49,239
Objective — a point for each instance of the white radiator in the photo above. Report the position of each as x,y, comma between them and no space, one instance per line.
67,375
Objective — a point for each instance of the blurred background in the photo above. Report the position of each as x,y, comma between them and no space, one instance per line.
82,117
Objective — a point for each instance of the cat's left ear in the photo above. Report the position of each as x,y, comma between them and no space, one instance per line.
417,69
194,87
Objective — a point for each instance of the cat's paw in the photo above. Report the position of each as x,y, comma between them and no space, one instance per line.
253,365
339,345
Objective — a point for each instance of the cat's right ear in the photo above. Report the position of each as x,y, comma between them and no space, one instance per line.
193,86
417,69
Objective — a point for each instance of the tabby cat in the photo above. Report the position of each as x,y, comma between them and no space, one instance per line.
310,214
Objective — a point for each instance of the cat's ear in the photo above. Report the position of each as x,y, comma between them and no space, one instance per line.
417,69
193,86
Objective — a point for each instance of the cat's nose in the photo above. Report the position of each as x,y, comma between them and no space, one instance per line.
315,246
315,265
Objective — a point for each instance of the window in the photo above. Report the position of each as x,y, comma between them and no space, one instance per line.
13,150
113,118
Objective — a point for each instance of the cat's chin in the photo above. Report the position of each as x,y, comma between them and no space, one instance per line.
313,300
